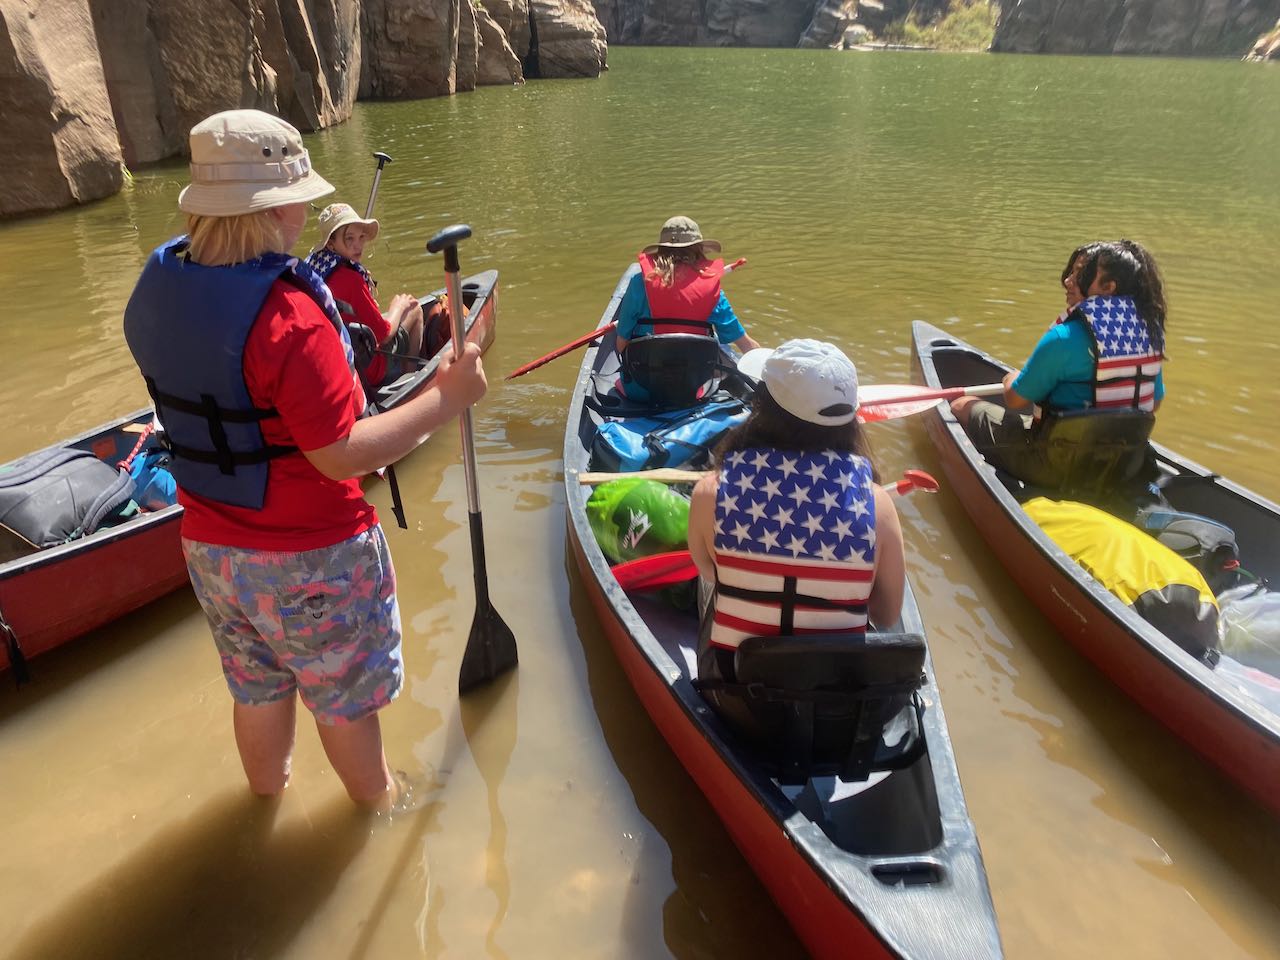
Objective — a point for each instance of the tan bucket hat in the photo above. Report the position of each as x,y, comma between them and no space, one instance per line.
243,161
681,232
338,215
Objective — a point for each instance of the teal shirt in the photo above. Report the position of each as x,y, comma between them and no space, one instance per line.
1059,372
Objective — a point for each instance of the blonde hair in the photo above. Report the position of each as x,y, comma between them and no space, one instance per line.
665,260
222,241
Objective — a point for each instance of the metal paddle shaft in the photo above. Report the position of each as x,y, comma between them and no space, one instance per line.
491,646
383,160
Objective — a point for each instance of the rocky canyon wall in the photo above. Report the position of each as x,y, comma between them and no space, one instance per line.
1167,27
730,23
87,86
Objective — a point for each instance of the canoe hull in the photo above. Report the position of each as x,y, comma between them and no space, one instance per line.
1241,739
55,595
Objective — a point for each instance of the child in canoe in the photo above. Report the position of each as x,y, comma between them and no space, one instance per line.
399,332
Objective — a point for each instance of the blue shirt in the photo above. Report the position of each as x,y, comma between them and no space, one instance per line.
635,307
1059,372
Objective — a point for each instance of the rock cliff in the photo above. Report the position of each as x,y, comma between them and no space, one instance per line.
1267,47
729,23
1170,27
88,84
59,145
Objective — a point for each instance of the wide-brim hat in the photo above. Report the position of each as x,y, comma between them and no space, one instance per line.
810,379
244,161
338,215
681,232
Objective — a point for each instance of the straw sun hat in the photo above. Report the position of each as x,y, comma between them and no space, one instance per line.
243,161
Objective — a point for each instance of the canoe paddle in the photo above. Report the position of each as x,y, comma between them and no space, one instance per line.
889,401
383,160
668,569
588,337
491,646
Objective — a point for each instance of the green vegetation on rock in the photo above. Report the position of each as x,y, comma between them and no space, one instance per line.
967,25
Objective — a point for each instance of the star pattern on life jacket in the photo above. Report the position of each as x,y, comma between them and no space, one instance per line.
1117,326
787,505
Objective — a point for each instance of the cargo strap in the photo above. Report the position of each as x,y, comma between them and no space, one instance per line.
17,661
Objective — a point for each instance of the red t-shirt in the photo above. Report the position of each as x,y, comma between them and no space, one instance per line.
294,362
345,283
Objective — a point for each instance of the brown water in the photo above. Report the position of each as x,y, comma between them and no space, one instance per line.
866,191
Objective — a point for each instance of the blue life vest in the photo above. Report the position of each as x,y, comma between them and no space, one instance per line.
187,325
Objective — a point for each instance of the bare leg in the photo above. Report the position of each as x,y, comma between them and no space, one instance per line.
961,406
264,735
413,324
355,750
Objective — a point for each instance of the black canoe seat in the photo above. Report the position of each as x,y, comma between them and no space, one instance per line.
675,369
819,705
1096,452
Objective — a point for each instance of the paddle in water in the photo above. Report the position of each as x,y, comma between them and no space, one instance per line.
587,338
668,569
491,646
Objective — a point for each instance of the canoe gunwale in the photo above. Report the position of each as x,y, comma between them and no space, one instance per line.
1226,705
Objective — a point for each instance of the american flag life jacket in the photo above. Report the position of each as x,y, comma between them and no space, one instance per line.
1126,363
795,545
686,305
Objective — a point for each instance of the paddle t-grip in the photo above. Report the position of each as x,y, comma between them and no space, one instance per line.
448,240
382,158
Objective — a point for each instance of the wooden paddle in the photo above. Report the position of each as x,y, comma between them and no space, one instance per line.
491,646
668,569
587,338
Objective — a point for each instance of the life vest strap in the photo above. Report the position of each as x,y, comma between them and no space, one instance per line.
703,326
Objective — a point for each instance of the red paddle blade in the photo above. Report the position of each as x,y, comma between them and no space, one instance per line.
652,573
876,412
915,480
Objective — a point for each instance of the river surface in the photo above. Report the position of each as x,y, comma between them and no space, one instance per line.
866,191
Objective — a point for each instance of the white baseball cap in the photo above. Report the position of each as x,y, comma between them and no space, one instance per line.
243,161
813,381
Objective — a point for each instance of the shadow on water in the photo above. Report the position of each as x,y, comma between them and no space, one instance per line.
1207,805
207,887
59,670
704,916
489,722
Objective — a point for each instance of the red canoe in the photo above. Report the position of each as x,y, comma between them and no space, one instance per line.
1228,713
50,596
885,867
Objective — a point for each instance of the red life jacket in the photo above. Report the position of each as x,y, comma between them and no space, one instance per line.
686,305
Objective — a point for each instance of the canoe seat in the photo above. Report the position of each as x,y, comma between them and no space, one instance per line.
819,705
1096,451
674,369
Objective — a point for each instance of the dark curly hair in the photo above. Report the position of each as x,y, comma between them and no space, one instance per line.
1134,271
771,428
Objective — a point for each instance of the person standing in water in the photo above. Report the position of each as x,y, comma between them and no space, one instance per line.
252,375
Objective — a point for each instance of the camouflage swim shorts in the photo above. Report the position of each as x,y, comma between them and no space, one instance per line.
322,622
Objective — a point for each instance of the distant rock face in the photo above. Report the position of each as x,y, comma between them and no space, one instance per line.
498,63
512,18
410,48
566,39
59,145
1176,27
168,66
729,23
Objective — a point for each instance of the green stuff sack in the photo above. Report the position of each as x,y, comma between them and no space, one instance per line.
636,518
1161,587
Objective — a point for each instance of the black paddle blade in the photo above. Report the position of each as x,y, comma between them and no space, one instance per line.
491,650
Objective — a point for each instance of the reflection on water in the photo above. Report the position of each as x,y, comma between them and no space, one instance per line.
865,191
